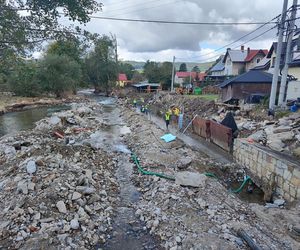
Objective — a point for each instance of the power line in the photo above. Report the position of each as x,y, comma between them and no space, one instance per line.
152,7
227,45
219,54
178,22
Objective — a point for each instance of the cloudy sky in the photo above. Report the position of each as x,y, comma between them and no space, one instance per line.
159,42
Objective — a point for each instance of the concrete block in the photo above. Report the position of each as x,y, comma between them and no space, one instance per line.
287,175
296,173
295,181
279,171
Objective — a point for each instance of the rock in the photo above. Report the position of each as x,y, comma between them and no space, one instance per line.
54,120
297,137
276,144
296,151
271,205
190,179
281,129
31,167
74,224
61,207
76,196
85,190
285,136
22,187
84,110
279,202
257,136
178,239
184,163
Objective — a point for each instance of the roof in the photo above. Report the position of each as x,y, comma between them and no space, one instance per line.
242,55
274,48
252,76
264,64
122,77
181,74
254,52
219,66
145,84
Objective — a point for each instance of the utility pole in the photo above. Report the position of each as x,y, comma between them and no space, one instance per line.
288,55
190,78
278,56
173,72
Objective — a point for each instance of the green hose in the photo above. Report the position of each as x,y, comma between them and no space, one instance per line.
142,171
242,186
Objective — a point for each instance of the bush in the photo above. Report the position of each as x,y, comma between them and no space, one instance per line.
23,80
59,74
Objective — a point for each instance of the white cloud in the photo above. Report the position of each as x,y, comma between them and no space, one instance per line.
142,41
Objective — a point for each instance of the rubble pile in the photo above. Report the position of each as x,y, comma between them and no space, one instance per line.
57,191
189,215
282,135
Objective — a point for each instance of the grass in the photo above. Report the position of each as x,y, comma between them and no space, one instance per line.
7,100
208,97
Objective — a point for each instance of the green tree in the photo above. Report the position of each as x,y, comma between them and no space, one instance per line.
68,47
137,77
23,79
152,71
166,74
126,68
59,74
196,69
101,65
183,67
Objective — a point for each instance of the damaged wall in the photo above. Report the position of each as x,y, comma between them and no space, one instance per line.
269,169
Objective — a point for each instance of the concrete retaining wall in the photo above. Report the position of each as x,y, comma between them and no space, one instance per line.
272,171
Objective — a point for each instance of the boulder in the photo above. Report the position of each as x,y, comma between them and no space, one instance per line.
190,179
281,129
276,144
54,120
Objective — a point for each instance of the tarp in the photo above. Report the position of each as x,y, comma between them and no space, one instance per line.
230,122
168,137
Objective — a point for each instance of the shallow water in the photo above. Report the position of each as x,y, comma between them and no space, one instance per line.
13,122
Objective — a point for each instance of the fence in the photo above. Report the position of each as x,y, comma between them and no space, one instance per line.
214,132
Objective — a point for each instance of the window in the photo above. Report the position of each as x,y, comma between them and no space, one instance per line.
257,60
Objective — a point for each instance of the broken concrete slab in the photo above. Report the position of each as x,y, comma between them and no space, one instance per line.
190,179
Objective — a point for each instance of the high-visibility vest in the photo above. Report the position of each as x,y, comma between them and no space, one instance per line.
167,116
134,101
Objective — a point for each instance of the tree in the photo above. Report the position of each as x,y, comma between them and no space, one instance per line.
126,68
59,74
21,32
152,72
137,77
196,69
71,48
101,65
166,74
23,80
183,67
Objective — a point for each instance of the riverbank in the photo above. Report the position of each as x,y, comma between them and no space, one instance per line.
10,103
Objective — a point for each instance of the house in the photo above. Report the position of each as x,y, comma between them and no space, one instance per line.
122,80
180,77
293,86
244,87
237,62
217,70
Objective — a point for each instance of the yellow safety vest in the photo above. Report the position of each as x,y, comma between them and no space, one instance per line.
167,116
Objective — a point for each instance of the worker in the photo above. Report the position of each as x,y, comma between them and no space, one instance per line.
143,109
146,109
134,102
167,118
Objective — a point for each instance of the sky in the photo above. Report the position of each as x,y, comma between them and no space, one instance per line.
191,43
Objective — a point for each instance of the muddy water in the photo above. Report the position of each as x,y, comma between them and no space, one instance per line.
128,232
22,120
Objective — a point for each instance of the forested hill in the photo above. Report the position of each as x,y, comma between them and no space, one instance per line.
202,66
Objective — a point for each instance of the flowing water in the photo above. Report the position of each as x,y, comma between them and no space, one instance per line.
128,232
